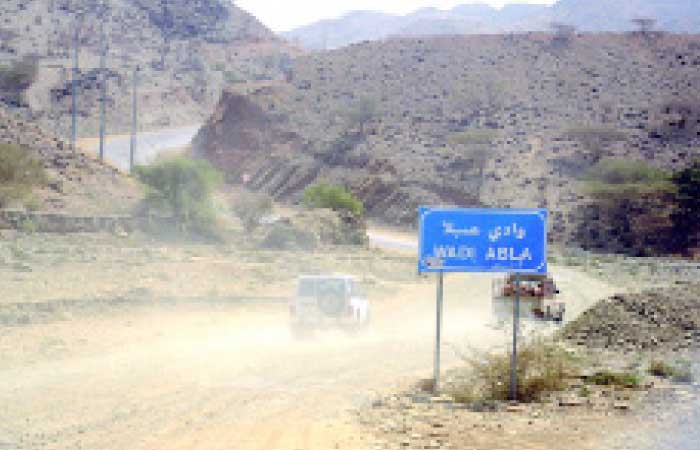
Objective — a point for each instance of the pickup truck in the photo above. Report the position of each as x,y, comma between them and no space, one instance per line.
328,301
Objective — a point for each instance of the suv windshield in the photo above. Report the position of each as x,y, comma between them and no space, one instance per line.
306,287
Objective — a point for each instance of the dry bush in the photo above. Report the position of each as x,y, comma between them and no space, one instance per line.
251,208
15,79
285,236
20,173
677,119
679,372
543,366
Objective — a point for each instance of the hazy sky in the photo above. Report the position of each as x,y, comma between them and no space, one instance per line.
287,14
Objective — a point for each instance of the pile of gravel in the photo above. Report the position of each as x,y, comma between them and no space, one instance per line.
657,319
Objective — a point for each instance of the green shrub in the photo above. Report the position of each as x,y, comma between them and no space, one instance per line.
251,208
337,198
182,187
613,176
543,366
20,173
361,113
284,236
611,378
686,219
28,226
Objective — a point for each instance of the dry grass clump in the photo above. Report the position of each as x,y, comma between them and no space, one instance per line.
679,372
543,366
20,173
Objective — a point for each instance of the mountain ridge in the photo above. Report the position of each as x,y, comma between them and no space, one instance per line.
586,16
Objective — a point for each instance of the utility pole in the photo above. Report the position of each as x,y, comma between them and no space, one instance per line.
134,118
103,76
74,87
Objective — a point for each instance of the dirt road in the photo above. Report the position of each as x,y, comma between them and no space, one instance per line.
232,377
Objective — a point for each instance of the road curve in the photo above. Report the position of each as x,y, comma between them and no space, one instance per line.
148,145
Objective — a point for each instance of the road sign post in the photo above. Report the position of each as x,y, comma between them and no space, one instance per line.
438,331
516,330
482,240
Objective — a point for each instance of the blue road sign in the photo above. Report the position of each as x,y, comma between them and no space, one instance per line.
482,240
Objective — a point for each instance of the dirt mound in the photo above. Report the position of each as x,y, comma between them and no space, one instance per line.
657,319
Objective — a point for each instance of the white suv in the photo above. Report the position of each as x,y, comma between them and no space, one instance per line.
324,301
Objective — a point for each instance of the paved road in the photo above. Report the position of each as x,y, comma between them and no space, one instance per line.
148,146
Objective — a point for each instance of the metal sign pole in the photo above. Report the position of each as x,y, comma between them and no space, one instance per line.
516,326
438,330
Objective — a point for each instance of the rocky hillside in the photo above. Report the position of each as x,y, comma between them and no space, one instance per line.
76,183
585,15
187,52
481,120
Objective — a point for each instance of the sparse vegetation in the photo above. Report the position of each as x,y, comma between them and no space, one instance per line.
17,78
182,187
474,136
337,198
250,208
612,378
686,219
20,173
285,236
543,366
361,113
595,139
679,372
630,209
677,120
626,177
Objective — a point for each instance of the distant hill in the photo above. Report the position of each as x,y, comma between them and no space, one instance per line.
496,120
586,15
187,52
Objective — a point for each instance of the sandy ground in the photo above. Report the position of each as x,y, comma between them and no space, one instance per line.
218,375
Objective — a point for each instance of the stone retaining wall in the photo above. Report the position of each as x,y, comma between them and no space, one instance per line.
48,222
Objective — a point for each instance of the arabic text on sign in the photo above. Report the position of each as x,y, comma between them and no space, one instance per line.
509,231
450,229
